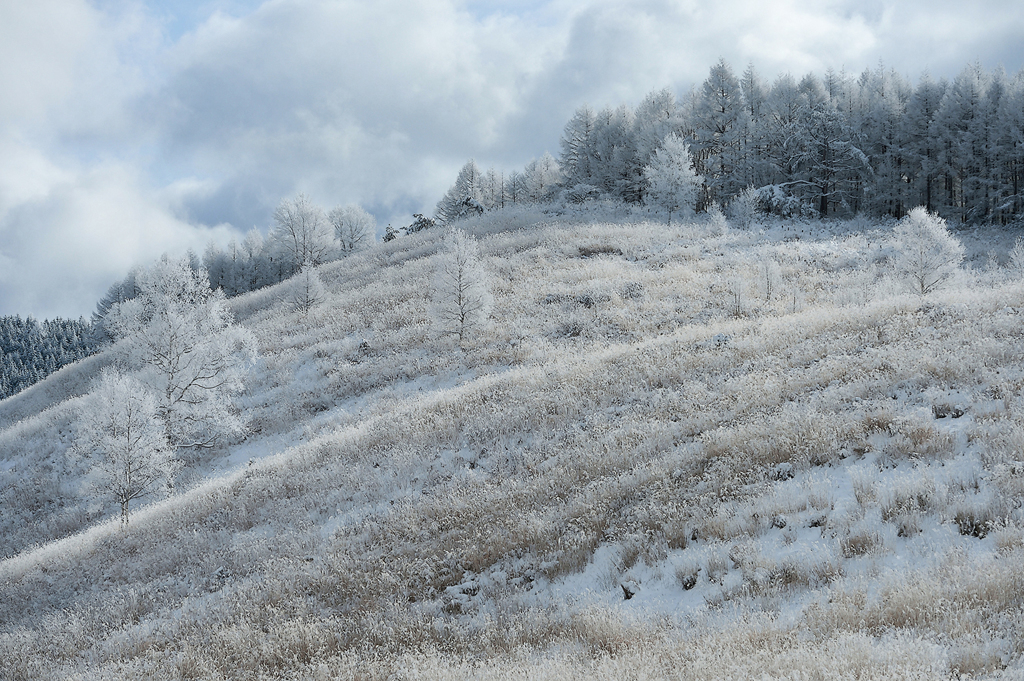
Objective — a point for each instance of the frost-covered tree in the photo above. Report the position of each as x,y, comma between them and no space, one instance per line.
461,298
618,172
956,127
781,133
920,147
829,164
1010,144
492,190
720,127
32,350
253,268
353,227
877,121
926,253
419,223
515,189
754,168
121,437
216,265
745,207
657,117
178,335
539,180
118,292
464,198
302,234
306,291
671,181
578,157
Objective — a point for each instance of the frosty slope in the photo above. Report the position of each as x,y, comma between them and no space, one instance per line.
794,462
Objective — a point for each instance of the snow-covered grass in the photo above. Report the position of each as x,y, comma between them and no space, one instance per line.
793,466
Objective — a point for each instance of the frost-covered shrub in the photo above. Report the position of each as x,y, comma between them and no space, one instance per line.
776,201
975,518
860,543
745,208
1017,257
716,218
927,255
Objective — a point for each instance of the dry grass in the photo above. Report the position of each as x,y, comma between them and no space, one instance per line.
441,497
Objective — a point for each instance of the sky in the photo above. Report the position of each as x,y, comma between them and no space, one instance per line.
133,128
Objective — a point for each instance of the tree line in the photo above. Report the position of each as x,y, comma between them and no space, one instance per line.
836,145
303,234
31,350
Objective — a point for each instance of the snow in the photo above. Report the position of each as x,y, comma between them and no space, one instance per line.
769,480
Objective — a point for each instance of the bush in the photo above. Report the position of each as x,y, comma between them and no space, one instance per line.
926,253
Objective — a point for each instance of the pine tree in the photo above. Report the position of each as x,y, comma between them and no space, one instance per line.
720,129
578,158
464,198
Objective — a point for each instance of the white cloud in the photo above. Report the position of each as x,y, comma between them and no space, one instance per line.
96,226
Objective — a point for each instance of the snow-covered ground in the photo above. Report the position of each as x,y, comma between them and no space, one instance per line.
792,466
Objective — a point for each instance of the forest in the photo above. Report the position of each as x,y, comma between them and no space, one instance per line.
31,350
831,146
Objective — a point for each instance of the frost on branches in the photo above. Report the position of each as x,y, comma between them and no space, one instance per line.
353,228
671,180
303,233
461,299
177,334
121,435
305,290
926,253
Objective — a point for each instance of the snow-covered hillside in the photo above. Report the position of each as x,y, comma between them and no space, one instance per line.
685,451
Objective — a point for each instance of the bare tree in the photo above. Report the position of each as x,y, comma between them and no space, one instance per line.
303,232
353,227
461,299
122,436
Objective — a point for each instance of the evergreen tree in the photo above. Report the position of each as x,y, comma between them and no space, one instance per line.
464,198
720,130
956,132
578,158
920,147
30,351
